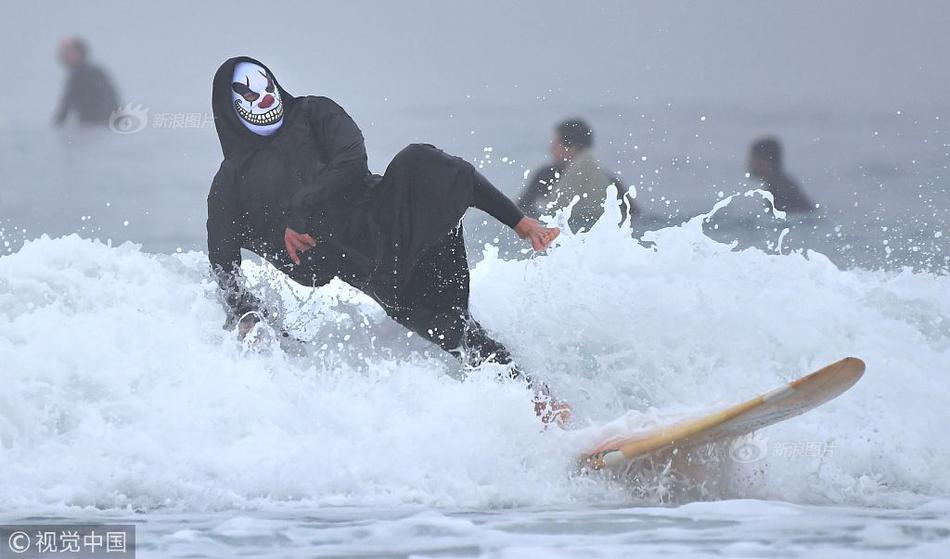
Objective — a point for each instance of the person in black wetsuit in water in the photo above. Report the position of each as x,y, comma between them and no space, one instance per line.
765,164
295,189
89,92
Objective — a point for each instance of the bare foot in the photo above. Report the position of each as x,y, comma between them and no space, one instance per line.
537,234
247,323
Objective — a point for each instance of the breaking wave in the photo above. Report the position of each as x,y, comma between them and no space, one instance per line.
120,389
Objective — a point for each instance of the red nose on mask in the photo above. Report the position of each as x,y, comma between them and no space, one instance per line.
266,102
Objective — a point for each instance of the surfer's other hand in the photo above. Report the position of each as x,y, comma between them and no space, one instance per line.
296,242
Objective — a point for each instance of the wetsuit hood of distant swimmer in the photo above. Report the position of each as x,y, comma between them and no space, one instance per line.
765,158
571,138
248,103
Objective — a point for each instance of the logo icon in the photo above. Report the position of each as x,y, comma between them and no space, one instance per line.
19,542
128,119
749,449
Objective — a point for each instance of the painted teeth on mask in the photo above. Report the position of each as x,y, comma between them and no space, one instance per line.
263,119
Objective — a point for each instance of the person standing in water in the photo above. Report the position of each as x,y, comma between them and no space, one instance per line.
574,170
765,164
89,92
294,188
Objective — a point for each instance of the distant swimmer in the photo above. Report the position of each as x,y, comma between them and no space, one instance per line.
89,92
295,189
765,164
574,170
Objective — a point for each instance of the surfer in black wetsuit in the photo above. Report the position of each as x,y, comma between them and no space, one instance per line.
765,164
294,188
89,92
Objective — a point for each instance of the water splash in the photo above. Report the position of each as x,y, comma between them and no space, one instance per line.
121,390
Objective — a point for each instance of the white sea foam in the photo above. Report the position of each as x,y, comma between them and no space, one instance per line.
119,388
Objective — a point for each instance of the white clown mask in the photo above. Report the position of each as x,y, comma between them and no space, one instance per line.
256,99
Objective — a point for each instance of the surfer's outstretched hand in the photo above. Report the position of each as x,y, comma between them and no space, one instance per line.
536,233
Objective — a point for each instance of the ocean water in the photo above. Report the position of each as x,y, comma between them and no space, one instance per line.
122,399
880,177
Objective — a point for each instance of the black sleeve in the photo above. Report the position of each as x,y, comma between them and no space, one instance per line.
224,249
493,202
338,137
65,103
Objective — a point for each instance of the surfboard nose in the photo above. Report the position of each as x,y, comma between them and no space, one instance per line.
852,367
856,363
785,402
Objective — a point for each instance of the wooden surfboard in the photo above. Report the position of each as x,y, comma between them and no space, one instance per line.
793,399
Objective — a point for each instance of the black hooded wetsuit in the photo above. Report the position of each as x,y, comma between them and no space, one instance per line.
398,238
788,194
90,94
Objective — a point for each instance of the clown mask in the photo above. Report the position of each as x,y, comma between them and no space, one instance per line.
256,99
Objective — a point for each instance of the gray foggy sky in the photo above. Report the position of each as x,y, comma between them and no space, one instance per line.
887,55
